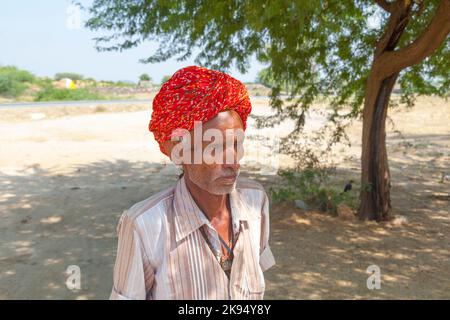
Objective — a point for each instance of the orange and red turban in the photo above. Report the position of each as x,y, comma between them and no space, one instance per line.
195,94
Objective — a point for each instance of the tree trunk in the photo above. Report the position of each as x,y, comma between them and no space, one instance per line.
387,63
375,179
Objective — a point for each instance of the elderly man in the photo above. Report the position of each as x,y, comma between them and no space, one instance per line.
206,237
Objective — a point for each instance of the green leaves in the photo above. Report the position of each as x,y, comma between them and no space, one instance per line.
312,48
314,187
13,81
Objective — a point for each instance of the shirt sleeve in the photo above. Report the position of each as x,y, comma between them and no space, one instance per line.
266,258
133,274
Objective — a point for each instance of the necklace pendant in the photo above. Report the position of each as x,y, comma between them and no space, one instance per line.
226,265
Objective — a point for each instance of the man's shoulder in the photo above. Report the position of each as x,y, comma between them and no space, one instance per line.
251,190
152,206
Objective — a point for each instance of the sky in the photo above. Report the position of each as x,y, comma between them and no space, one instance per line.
44,38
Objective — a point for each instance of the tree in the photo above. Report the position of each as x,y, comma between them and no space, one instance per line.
70,75
387,63
144,77
353,51
164,79
263,78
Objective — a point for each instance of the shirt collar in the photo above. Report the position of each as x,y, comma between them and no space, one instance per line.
189,217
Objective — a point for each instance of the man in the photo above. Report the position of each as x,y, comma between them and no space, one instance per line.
207,237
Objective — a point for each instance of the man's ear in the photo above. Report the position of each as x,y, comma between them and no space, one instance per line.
167,147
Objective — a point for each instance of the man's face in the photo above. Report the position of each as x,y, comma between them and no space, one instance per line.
218,176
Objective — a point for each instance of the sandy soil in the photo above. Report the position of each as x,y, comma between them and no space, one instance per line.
67,173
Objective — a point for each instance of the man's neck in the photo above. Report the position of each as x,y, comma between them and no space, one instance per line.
214,206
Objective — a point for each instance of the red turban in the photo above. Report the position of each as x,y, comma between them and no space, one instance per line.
195,94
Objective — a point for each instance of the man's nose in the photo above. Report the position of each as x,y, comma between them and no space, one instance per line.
234,166
232,158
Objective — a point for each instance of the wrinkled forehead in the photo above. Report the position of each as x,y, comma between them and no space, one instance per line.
225,124
228,119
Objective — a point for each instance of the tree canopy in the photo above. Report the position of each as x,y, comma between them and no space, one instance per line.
321,47
70,75
144,77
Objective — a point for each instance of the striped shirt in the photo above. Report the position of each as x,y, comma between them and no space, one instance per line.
162,254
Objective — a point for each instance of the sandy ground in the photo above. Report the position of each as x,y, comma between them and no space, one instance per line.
67,173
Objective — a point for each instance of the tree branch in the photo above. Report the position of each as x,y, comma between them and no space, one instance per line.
387,6
398,19
432,37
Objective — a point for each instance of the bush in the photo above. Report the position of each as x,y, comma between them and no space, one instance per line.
50,93
311,185
44,82
11,88
124,84
13,82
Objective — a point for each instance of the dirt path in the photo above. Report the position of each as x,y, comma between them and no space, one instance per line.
66,177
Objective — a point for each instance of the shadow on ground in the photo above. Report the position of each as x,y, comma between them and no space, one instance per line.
323,257
51,221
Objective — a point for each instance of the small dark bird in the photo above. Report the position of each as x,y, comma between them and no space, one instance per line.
348,186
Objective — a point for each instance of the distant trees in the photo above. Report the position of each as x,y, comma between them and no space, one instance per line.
145,77
264,78
71,75
164,79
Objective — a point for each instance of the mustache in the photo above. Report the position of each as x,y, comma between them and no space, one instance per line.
230,173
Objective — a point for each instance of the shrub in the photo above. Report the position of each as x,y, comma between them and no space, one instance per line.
124,84
11,88
13,82
311,185
49,93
